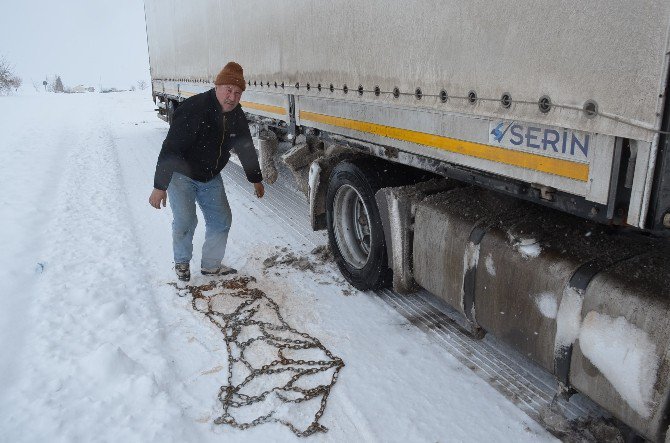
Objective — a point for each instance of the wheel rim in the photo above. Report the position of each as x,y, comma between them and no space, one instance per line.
351,226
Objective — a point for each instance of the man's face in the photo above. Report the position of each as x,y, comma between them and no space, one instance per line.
228,96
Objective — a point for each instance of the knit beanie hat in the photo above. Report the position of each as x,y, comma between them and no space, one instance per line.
231,74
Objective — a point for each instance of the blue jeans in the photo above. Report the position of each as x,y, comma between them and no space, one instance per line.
183,193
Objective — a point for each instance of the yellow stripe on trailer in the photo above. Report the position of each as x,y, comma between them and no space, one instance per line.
555,166
262,107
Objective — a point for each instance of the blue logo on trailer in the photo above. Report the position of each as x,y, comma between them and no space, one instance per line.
497,133
546,139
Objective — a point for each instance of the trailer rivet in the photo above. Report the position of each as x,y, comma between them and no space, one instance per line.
360,89
590,109
377,91
506,100
418,94
666,220
396,92
308,86
444,96
332,87
345,89
318,87
544,104
472,97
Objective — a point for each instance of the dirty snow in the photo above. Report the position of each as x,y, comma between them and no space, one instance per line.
314,177
470,260
625,355
266,145
547,304
98,347
471,257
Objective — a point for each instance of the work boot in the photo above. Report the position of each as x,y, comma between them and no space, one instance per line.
183,271
221,270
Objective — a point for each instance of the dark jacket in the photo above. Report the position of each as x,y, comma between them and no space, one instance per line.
200,139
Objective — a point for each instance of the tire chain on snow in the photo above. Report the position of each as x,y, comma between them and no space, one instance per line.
231,326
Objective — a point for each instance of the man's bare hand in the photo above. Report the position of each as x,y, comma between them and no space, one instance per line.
157,198
260,189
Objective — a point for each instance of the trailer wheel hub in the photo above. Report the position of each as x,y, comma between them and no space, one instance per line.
352,226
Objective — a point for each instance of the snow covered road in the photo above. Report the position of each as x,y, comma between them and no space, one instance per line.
98,347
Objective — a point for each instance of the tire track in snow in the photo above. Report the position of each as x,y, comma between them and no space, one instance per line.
25,268
83,347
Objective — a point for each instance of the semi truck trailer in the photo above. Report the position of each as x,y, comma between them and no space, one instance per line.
509,157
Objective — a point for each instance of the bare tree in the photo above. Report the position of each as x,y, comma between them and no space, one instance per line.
142,84
8,80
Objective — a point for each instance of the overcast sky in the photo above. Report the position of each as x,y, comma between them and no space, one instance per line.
89,42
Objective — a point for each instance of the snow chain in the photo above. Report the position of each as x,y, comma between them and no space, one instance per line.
254,303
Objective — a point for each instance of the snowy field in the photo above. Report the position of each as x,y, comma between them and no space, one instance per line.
97,346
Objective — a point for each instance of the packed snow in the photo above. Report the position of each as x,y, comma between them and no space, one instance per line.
547,304
528,247
530,250
314,178
568,318
622,352
99,347
625,355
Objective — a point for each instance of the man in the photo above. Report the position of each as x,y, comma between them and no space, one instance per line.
204,129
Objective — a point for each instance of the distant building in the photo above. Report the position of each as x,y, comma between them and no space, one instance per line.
82,88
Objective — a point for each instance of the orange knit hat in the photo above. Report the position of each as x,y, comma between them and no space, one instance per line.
231,74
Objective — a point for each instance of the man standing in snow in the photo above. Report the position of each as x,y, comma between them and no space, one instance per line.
204,129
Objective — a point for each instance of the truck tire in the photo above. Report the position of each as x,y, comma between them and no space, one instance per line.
355,231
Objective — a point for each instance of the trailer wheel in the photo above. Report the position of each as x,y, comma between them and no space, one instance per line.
170,111
355,231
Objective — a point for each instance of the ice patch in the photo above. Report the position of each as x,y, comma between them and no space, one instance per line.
547,304
568,318
490,266
625,355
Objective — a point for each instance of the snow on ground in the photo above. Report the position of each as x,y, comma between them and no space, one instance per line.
98,347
